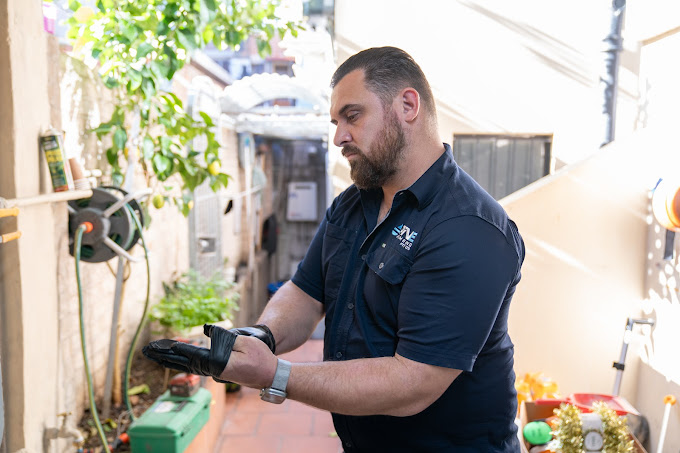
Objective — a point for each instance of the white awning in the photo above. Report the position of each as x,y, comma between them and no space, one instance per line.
242,101
304,126
249,92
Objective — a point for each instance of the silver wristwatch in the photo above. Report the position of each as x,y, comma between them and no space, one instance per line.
277,392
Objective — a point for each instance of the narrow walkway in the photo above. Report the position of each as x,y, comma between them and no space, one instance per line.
254,426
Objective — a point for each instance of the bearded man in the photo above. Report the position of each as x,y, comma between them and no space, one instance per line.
414,267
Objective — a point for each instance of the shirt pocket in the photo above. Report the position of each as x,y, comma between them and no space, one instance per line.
337,244
389,265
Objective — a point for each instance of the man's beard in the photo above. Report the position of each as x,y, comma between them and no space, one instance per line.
375,169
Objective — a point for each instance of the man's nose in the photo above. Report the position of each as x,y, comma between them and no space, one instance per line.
342,137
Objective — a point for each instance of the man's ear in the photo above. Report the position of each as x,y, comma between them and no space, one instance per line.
410,103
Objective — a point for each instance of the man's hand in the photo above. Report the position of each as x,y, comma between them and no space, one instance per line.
195,359
245,359
251,364
259,331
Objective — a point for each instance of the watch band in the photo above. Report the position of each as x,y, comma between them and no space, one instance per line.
282,374
276,393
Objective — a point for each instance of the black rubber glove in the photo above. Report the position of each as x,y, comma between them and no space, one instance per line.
195,359
259,331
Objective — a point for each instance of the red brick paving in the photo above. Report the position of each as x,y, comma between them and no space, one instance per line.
255,426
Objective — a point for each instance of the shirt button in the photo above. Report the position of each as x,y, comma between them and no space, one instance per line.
338,354
383,246
363,257
348,444
381,265
350,306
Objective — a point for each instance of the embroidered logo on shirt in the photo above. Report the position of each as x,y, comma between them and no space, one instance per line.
404,235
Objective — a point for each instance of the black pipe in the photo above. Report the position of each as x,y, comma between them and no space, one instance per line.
609,80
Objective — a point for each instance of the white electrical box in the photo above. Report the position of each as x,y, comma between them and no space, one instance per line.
301,202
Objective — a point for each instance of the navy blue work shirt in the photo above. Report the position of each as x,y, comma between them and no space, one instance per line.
432,282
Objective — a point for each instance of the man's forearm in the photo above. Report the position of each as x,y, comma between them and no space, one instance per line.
377,386
291,315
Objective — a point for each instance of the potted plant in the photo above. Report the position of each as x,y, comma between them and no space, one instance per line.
191,301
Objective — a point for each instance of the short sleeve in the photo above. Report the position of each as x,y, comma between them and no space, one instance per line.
308,276
463,273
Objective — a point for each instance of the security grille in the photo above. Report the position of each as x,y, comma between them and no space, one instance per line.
502,164
205,242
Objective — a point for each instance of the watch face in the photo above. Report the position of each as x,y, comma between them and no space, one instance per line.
271,395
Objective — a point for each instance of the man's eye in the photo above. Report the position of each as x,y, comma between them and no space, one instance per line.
351,118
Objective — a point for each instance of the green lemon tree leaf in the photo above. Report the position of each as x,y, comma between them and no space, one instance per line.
139,46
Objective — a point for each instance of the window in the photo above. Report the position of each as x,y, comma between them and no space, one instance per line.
285,68
502,164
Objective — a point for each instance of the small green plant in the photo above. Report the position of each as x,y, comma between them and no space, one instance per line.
193,300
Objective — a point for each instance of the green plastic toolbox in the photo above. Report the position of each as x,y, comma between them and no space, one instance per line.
171,423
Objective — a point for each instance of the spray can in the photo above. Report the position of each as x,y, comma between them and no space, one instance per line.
52,145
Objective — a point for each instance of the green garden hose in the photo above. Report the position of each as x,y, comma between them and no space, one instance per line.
133,345
93,406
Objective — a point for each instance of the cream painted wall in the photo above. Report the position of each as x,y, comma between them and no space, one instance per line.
660,96
570,309
585,229
8,252
503,67
27,328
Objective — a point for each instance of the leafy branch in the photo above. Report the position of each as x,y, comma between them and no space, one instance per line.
139,45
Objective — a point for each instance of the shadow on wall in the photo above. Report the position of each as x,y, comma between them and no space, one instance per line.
551,51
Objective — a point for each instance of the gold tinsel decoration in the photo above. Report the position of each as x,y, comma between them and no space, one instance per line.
569,430
615,430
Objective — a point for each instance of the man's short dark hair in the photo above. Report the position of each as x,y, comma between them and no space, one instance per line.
387,70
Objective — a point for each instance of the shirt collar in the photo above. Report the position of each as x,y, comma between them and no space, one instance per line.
427,186
423,190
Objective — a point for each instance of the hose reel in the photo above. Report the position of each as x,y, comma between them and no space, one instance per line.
111,230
